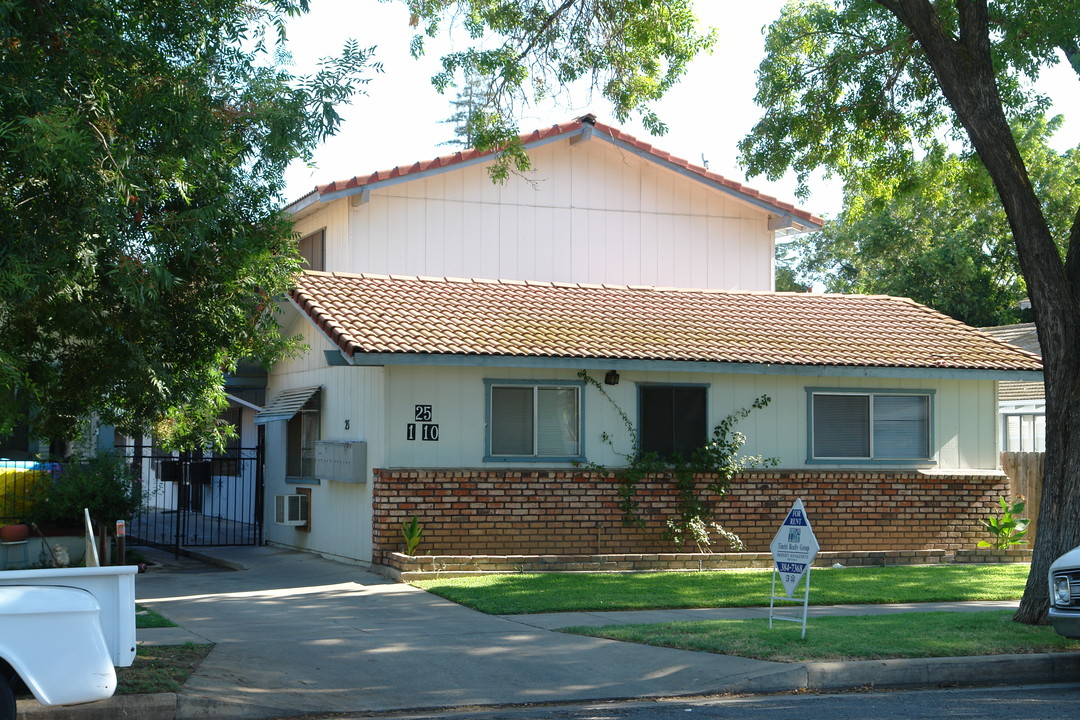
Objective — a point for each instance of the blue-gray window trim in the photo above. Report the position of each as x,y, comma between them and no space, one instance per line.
931,459
493,382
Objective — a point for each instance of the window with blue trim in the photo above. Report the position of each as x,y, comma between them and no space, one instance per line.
870,426
673,419
534,420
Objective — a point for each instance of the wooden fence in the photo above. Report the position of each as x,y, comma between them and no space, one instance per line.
1025,471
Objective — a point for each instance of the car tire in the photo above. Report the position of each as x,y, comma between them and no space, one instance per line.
7,699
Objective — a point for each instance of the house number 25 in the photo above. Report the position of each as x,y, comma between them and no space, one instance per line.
428,431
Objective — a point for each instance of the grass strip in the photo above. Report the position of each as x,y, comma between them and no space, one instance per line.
864,637
147,618
512,594
160,668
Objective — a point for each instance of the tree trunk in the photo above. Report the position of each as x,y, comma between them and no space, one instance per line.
964,69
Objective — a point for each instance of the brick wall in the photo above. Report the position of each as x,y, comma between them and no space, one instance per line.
569,512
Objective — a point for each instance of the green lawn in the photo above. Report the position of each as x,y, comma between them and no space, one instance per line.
566,592
147,618
866,637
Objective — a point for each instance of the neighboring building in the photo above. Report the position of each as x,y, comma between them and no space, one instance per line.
1021,404
461,401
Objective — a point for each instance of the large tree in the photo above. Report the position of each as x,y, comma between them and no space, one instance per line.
938,233
632,51
142,146
857,87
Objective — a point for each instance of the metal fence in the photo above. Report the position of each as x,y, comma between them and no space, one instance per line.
193,500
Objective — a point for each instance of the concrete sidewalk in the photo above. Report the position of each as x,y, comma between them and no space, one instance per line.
296,634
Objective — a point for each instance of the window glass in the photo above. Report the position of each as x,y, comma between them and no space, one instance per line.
535,421
870,426
842,426
303,434
512,420
673,419
901,427
313,250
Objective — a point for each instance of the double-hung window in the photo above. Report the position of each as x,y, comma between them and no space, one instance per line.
878,425
672,419
534,421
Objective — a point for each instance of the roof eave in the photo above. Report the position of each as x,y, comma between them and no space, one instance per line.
338,358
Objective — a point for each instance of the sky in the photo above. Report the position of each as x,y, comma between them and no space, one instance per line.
712,108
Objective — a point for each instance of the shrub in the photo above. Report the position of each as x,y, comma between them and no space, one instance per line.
104,484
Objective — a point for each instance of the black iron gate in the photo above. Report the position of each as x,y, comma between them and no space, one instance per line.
192,499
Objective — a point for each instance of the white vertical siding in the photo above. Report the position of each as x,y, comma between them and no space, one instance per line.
965,441
341,512
588,213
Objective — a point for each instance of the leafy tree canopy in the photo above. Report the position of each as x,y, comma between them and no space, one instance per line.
847,88
142,146
938,233
633,51
863,88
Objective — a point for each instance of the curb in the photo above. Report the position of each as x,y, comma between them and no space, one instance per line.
932,672
158,706
927,673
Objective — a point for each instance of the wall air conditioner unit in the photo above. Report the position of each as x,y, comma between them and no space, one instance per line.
291,510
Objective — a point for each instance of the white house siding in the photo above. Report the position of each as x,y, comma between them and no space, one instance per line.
340,511
589,213
964,434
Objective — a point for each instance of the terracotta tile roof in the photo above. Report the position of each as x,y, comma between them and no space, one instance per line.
568,128
1019,391
381,314
1023,335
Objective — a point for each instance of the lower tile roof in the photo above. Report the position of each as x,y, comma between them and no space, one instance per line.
405,314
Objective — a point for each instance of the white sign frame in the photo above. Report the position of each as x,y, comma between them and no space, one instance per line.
793,549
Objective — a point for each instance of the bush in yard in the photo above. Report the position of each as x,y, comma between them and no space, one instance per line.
104,484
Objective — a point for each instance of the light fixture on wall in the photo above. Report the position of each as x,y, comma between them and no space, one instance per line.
612,378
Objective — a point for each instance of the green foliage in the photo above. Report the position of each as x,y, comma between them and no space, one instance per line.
576,592
939,234
860,637
862,88
633,51
847,88
413,532
469,106
718,461
142,147
1009,529
700,533
104,484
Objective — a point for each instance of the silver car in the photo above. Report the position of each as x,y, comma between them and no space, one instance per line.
1064,579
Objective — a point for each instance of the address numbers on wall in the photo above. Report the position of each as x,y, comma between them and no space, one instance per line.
428,430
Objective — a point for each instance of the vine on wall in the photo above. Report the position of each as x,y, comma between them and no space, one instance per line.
719,460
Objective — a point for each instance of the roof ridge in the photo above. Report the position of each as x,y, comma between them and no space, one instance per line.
611,286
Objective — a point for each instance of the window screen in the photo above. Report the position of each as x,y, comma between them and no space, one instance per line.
535,421
871,426
673,419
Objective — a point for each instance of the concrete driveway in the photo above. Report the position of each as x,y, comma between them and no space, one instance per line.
295,634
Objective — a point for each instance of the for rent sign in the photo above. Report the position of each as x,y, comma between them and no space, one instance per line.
794,547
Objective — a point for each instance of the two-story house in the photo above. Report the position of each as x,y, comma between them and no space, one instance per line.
472,345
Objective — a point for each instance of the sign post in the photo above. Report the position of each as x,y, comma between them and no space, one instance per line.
793,550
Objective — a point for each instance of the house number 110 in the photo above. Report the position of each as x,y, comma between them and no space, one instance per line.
422,414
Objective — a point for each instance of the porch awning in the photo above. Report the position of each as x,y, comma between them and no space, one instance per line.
286,404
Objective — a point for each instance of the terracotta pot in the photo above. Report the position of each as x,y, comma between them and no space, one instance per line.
14,533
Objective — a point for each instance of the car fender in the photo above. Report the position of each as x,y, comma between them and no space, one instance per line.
52,638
